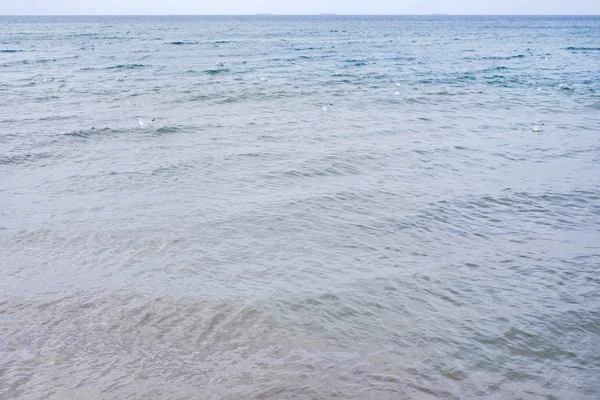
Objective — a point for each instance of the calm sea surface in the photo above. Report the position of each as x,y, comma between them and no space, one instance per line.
324,207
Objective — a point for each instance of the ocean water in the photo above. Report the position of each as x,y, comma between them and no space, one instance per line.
324,207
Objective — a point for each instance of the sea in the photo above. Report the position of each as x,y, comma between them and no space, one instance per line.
308,207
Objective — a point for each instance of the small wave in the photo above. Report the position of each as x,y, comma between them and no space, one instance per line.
83,35
180,43
10,51
594,106
501,68
46,98
252,155
267,138
408,59
215,71
357,63
416,100
168,129
172,169
232,100
501,80
337,168
88,133
583,48
307,48
128,66
422,152
80,134
201,97
504,57
466,77
10,64
55,118
46,60
23,158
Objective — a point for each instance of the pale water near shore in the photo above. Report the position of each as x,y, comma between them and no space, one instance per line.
414,240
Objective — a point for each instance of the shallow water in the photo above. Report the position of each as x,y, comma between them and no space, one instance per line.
415,240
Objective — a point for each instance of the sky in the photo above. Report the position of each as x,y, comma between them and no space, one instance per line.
141,7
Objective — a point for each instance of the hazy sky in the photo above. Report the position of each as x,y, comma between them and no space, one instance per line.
39,7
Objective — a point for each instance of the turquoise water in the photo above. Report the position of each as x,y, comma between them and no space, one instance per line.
350,207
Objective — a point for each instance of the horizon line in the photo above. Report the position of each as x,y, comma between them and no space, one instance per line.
266,14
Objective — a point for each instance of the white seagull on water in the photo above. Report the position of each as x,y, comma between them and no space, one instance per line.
538,128
143,124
